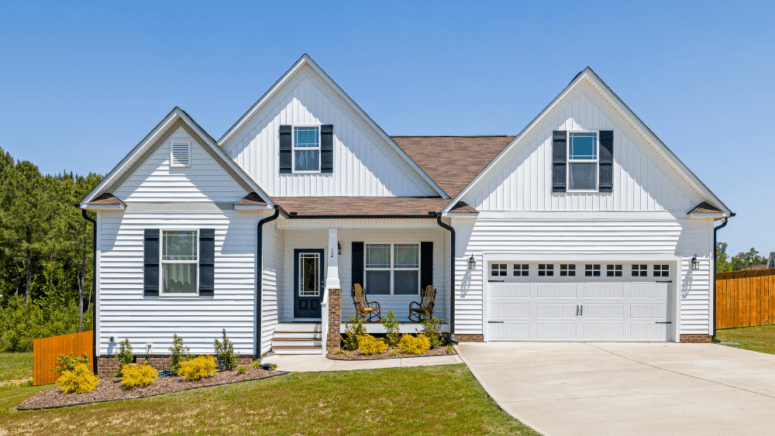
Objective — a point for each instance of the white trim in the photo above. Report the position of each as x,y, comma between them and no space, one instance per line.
305,59
392,269
318,285
595,161
97,280
106,207
294,149
185,262
588,74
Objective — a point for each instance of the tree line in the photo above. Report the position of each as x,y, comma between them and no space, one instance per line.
45,254
742,260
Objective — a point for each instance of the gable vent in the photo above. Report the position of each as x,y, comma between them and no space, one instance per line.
181,154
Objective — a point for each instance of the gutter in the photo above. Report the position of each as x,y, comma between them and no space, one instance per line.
715,256
260,275
452,277
94,287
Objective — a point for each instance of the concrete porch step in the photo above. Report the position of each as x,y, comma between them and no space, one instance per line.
295,342
297,335
298,338
296,350
299,327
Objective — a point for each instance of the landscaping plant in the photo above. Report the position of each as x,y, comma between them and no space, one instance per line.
431,328
241,369
224,353
391,329
137,375
368,344
419,344
79,380
199,368
352,330
178,353
68,363
125,356
256,364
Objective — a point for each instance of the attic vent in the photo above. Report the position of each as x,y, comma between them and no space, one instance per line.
181,154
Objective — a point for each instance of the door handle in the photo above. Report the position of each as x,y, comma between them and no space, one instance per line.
582,310
577,310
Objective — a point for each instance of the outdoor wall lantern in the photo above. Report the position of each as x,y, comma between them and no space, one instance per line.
339,245
695,263
471,262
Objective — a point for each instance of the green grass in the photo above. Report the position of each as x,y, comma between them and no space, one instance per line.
15,366
760,338
397,401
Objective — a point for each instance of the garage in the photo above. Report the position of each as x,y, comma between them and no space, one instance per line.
579,301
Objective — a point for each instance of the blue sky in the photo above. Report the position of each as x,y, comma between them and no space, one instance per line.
80,85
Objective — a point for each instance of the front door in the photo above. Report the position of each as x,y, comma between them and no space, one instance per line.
308,283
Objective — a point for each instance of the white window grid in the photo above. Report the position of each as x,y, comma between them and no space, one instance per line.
639,270
592,270
662,270
567,270
594,161
392,268
521,269
316,278
296,148
498,269
162,262
614,270
545,270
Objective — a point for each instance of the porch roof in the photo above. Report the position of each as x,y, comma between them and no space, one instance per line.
367,206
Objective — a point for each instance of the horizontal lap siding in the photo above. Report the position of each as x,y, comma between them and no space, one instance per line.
126,314
272,284
671,238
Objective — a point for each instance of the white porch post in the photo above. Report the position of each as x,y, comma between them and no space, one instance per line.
332,282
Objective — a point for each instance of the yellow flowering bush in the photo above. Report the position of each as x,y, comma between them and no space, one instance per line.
414,344
197,369
80,380
133,375
368,344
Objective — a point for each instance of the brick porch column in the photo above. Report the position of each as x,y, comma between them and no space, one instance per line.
334,318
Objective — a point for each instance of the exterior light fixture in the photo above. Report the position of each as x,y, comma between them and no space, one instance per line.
471,262
339,245
695,263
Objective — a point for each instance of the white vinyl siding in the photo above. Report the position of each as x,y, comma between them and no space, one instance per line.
366,164
156,181
273,281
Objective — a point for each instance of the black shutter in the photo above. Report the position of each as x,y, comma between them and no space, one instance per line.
357,267
207,262
606,166
151,263
286,150
426,264
327,148
559,160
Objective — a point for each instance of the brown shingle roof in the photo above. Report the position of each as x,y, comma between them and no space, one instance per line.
106,199
705,207
452,161
251,199
367,206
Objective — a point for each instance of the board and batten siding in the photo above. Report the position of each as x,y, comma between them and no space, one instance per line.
364,163
125,313
655,236
642,179
155,181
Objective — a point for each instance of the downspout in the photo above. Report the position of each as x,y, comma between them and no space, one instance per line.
452,277
94,288
260,275
715,256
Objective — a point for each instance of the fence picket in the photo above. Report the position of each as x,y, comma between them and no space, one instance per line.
46,350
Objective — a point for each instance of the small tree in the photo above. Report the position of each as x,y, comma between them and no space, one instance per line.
125,356
391,329
178,353
224,353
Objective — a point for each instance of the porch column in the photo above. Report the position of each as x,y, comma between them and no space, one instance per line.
332,260
333,317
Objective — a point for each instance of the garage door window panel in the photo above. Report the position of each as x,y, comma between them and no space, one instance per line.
567,270
661,270
545,269
499,270
592,270
521,270
613,270
640,270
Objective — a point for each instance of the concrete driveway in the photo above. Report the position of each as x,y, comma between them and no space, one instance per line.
624,389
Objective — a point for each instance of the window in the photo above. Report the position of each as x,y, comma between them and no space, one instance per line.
614,270
180,154
309,273
498,269
661,270
179,262
306,149
545,269
393,269
639,271
592,270
567,270
521,270
582,161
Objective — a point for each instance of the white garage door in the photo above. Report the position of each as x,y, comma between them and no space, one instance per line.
579,301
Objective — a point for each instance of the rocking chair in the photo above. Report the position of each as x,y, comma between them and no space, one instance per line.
419,311
366,312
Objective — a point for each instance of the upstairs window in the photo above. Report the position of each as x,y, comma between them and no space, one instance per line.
306,149
582,161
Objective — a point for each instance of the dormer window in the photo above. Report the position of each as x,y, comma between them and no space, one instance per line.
306,149
180,154
582,161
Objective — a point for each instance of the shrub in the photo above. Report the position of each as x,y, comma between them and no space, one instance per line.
394,352
199,368
125,356
450,348
241,369
79,380
137,375
431,328
414,344
178,353
224,353
368,344
391,329
256,364
353,329
68,363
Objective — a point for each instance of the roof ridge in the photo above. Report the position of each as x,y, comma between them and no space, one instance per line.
450,136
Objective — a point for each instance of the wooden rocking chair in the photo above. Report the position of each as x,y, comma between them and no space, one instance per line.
418,311
366,312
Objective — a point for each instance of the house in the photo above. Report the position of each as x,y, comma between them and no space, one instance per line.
771,260
582,227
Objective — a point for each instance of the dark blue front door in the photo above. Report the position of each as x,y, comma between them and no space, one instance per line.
308,282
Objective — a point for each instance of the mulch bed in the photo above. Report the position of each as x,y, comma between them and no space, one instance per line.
358,355
110,389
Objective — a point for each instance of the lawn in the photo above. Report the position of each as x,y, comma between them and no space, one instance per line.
15,366
396,401
760,338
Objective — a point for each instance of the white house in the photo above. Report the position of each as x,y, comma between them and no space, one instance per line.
583,227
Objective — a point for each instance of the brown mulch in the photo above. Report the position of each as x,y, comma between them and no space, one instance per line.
110,389
358,355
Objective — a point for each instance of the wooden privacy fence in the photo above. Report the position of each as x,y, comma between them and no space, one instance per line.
745,298
46,350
